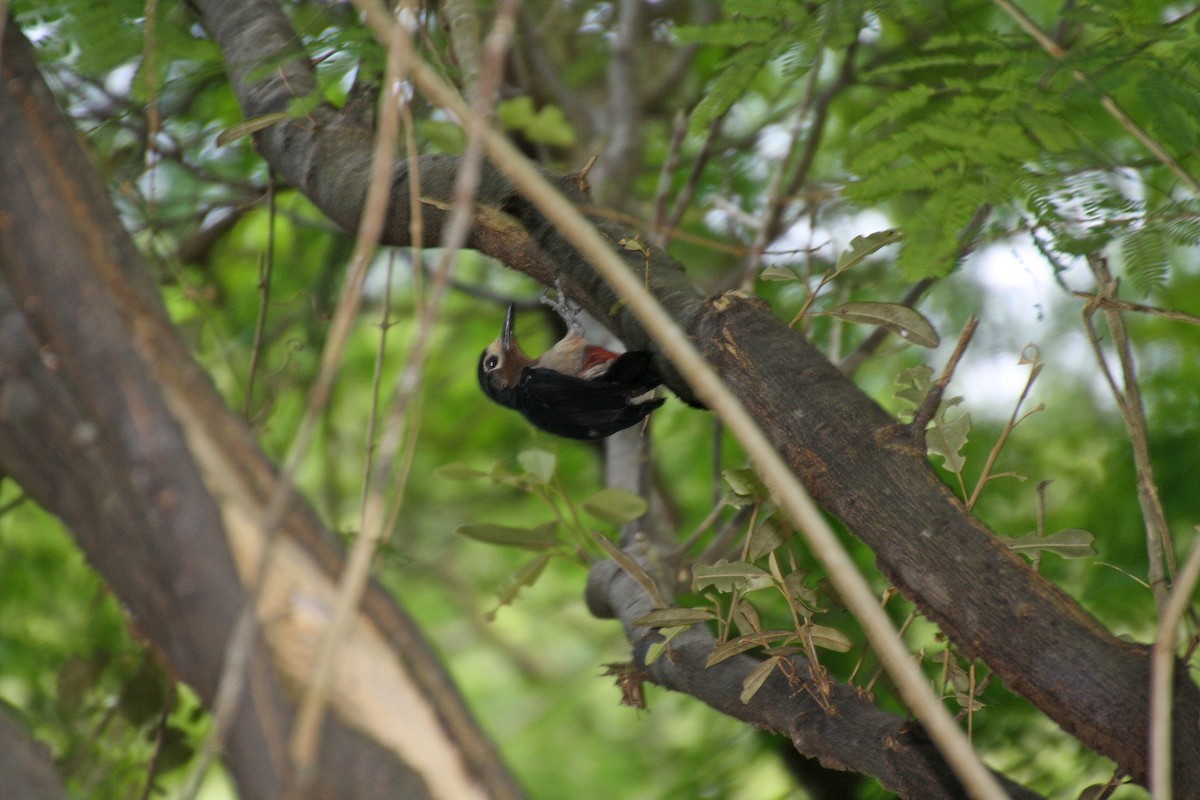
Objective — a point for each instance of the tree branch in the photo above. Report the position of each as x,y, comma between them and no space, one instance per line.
26,765
834,722
109,424
1037,639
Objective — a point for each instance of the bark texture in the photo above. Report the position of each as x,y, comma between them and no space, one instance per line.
94,387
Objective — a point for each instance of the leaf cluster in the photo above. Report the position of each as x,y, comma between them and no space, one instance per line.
565,535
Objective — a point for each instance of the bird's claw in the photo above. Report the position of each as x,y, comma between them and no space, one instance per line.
561,305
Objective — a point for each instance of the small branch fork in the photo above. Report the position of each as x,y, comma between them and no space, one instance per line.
934,399
1159,550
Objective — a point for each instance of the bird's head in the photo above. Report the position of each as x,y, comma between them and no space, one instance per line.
502,361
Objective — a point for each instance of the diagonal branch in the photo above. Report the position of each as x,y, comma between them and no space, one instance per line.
836,723
163,487
1037,639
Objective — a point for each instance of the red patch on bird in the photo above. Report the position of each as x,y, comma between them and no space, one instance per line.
595,355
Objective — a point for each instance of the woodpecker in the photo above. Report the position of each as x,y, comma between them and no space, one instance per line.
575,389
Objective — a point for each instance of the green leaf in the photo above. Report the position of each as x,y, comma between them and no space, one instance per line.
730,85
896,105
732,648
725,576
1145,257
674,617
525,575
746,617
915,382
863,246
174,751
947,437
547,124
443,136
459,471
542,537
799,591
778,273
615,506
903,321
655,651
766,537
745,482
538,464
757,677
145,692
1067,543
829,638
733,33
77,677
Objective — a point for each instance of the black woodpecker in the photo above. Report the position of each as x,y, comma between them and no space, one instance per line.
575,389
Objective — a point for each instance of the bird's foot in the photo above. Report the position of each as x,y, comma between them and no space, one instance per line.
562,306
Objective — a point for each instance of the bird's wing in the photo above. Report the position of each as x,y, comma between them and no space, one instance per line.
579,409
633,370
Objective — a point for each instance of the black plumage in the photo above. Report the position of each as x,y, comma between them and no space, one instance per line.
574,389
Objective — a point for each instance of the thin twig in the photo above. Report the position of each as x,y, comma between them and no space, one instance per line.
819,107
149,71
1162,674
265,268
777,197
385,324
1124,305
1159,550
305,736
966,243
245,627
374,516
622,112
159,738
684,198
933,399
670,164
722,544
671,231
462,21
3,22
669,78
713,515
1013,421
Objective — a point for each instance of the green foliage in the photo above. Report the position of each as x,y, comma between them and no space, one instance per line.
1068,543
947,434
75,672
546,125
757,34
956,139
921,121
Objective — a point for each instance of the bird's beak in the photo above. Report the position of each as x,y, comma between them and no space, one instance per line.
506,334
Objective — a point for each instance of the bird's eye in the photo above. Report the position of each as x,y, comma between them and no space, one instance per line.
491,362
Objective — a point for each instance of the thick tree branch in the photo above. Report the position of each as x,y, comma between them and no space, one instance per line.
26,765
843,728
108,423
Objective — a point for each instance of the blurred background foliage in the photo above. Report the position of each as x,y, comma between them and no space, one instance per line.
944,120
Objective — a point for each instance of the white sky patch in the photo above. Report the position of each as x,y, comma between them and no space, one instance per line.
773,142
1021,303
827,241
120,81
